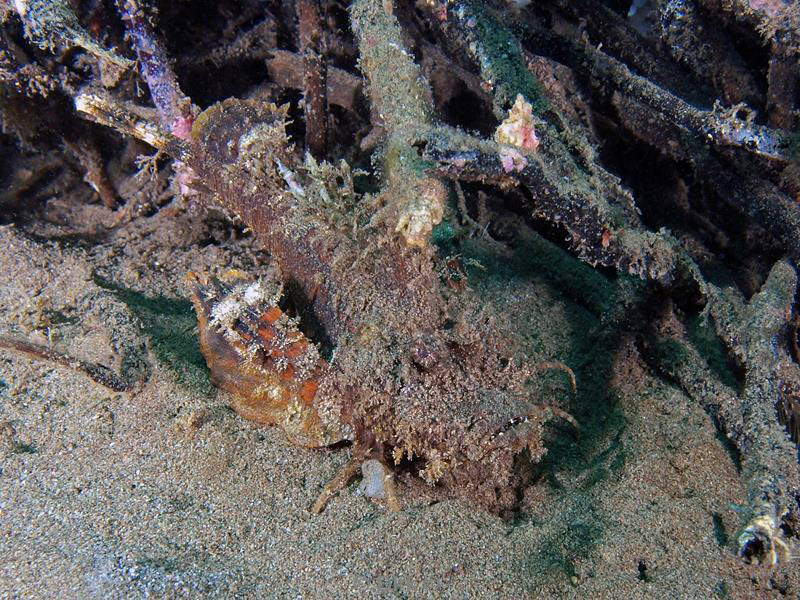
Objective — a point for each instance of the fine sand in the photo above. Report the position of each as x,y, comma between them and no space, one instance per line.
164,492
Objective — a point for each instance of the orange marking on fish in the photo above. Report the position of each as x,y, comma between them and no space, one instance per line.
288,374
272,315
308,390
296,349
266,334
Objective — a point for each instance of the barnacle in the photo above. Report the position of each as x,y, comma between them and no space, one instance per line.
517,129
763,538
418,216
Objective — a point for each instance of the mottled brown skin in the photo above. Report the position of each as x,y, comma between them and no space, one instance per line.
417,371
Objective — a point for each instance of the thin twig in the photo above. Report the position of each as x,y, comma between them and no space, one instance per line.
719,128
315,76
96,372
174,107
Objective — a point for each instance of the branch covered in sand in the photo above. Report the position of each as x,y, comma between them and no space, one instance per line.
104,110
415,201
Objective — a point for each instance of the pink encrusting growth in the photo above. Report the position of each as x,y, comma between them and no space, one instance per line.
182,127
517,129
770,7
512,160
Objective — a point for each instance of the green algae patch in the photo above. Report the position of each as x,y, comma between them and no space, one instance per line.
170,325
21,448
557,553
703,336
499,58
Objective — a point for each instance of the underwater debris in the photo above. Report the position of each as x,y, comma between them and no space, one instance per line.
354,335
756,333
315,76
174,107
96,372
52,25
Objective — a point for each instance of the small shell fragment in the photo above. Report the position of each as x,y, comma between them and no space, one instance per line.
373,474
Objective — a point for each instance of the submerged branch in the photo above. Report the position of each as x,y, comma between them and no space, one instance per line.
104,110
174,107
415,200
96,372
716,127
315,76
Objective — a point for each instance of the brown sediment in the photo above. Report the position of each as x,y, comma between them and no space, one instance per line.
386,320
137,493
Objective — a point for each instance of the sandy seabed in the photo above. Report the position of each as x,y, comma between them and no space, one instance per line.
164,492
